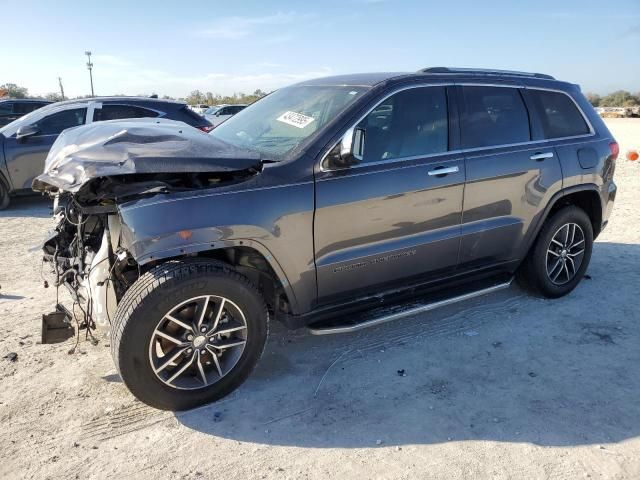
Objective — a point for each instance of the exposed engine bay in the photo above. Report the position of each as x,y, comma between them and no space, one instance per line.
93,169
85,257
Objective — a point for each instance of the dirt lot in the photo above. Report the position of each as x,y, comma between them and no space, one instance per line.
506,386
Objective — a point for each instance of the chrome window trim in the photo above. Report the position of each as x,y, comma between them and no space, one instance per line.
462,151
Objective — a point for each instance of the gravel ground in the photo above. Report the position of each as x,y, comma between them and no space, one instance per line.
505,386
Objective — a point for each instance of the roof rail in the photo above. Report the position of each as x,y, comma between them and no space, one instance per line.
482,71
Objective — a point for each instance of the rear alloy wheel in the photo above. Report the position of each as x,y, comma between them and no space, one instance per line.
560,256
188,333
565,253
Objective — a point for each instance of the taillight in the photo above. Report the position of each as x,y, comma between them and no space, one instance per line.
615,150
206,128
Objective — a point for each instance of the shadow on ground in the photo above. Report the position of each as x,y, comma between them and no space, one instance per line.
507,367
35,206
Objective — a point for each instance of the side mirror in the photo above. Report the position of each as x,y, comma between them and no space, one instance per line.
349,151
25,132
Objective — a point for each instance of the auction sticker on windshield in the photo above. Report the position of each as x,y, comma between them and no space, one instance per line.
295,119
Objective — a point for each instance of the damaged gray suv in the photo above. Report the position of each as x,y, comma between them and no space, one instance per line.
334,204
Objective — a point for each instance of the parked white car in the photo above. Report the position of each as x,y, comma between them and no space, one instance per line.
219,113
199,108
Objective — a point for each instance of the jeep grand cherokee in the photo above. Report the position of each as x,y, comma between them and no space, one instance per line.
334,204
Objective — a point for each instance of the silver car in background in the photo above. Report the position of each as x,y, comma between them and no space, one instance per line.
219,113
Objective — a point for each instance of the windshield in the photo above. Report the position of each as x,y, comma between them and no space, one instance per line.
281,121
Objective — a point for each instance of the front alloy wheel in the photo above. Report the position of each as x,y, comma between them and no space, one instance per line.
188,332
198,342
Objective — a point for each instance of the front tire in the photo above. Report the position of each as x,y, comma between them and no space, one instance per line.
560,256
188,333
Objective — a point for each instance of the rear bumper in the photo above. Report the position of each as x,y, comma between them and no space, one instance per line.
609,200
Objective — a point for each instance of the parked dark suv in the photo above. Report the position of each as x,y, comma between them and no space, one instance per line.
25,143
335,204
13,108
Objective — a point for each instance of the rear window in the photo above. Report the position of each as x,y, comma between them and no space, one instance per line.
188,116
117,112
558,114
6,108
493,116
26,107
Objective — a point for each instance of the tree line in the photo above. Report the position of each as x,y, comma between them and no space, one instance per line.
620,98
196,97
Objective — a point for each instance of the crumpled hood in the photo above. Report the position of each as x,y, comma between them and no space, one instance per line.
122,147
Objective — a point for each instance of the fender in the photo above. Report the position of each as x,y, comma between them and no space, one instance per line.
281,230
4,173
552,202
219,245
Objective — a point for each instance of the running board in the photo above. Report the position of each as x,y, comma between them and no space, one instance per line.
400,312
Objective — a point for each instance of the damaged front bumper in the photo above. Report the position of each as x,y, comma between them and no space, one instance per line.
81,253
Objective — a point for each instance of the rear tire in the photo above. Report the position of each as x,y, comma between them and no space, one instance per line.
560,256
187,302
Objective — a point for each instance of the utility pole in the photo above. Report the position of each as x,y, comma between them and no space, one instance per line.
90,66
61,89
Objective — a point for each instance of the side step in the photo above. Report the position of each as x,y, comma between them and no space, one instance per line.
387,314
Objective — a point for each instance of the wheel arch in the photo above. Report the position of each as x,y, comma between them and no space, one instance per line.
587,197
247,256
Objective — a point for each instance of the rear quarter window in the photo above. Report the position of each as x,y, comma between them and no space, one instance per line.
493,116
558,114
117,112
188,116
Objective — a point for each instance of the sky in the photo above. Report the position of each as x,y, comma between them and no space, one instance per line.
172,48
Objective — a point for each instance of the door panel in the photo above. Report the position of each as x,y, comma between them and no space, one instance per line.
505,191
394,218
25,160
509,178
386,225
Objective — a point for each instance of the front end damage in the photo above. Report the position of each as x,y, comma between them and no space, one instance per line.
85,257
90,172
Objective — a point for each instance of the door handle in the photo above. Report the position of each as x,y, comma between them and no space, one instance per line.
541,156
443,171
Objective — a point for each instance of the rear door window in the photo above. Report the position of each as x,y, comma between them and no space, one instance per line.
24,108
57,122
6,108
492,116
558,114
410,123
118,112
